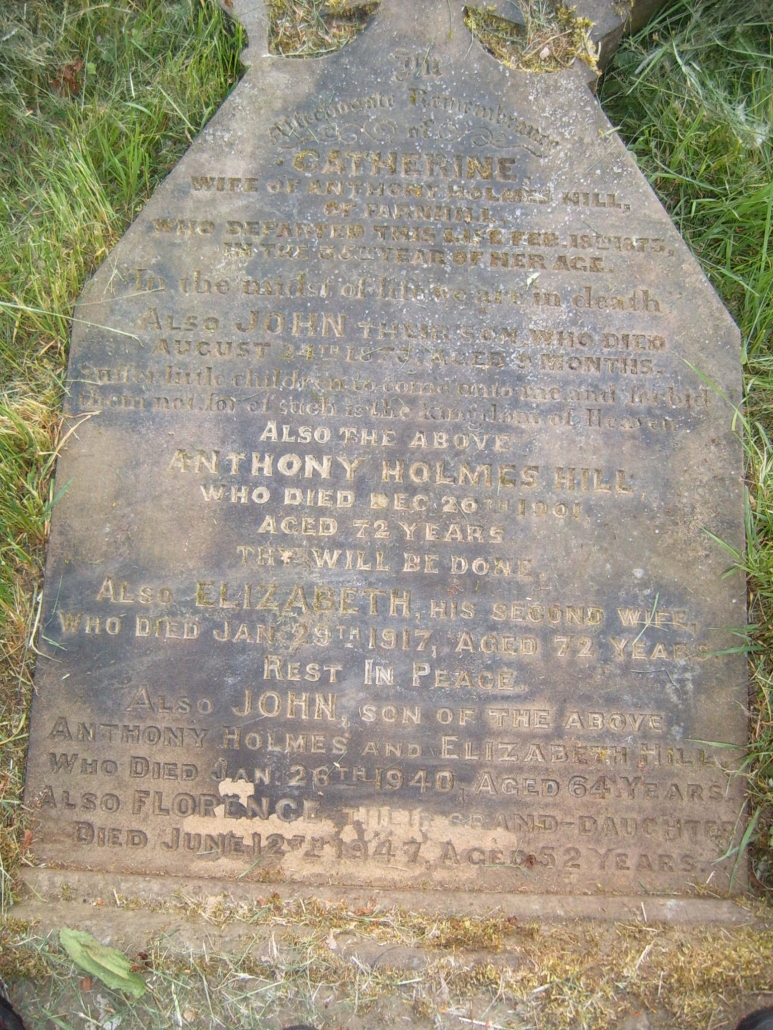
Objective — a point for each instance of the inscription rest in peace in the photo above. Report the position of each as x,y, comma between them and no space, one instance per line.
383,558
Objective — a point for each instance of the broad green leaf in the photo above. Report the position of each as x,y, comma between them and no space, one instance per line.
111,965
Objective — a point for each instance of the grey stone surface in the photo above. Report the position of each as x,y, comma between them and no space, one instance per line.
403,439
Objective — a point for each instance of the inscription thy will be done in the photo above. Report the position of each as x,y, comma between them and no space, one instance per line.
388,555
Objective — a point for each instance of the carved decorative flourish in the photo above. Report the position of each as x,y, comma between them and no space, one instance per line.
449,132
382,129
486,138
326,133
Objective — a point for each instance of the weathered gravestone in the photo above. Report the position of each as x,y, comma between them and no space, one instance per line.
401,449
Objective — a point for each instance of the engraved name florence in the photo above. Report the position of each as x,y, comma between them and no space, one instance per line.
389,550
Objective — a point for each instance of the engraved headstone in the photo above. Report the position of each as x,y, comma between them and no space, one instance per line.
401,452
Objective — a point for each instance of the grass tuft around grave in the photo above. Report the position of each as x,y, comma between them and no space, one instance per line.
97,102
374,965
549,38
313,28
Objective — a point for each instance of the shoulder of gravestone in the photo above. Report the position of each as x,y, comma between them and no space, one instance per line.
610,20
252,15
439,21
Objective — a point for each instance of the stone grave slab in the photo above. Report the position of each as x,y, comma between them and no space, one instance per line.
400,451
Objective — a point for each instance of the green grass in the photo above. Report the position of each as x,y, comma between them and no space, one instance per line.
98,100
693,98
